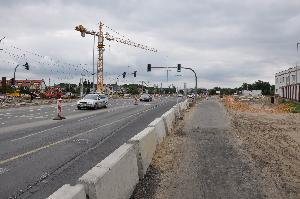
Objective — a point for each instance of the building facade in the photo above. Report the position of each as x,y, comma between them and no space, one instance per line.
33,85
287,84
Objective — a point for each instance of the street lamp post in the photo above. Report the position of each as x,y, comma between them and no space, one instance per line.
0,42
94,64
15,74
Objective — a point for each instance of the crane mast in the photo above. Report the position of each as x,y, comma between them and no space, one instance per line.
100,46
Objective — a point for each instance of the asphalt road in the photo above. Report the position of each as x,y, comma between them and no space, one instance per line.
38,155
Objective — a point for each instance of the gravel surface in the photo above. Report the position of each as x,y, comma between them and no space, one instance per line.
219,154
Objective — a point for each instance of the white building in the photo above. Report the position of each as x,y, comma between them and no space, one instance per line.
287,83
254,93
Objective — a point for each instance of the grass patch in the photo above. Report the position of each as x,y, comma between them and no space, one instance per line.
293,107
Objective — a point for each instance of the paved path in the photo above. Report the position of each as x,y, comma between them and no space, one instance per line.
206,164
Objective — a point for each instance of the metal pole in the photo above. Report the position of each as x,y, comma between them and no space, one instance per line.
0,42
15,73
94,63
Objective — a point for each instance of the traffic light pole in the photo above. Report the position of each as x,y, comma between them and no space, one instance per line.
196,78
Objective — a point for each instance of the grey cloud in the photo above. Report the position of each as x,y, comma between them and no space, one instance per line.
227,41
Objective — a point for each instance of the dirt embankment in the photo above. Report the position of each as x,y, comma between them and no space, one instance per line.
271,139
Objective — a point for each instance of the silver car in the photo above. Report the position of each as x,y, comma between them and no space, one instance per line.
146,98
93,101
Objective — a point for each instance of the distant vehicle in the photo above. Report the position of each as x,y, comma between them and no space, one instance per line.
192,96
93,101
179,95
146,98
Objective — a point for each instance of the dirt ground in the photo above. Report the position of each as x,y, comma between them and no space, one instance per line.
272,142
257,155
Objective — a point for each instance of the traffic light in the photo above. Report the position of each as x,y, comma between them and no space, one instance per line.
124,74
178,67
12,81
134,73
149,68
26,66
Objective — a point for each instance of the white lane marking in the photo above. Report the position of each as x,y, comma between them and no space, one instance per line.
38,109
30,110
8,113
2,123
46,112
35,133
3,170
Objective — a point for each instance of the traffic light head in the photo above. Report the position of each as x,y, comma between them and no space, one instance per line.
124,74
179,68
148,67
134,73
26,66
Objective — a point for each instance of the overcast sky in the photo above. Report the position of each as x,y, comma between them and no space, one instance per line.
227,42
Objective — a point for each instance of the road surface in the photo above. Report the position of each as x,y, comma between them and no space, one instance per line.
38,155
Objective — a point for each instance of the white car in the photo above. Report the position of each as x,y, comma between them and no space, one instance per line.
93,101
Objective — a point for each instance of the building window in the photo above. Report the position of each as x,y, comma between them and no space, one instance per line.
293,78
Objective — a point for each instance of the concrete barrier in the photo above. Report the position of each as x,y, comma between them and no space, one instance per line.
115,177
159,128
169,119
145,143
69,192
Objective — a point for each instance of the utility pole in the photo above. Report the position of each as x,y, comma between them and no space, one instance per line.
168,74
94,64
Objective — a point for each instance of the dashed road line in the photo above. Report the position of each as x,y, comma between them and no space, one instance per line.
35,133
64,140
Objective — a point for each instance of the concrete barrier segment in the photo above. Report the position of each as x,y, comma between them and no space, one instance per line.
145,142
115,177
159,129
69,192
169,119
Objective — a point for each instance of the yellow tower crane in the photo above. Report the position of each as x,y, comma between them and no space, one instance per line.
109,37
100,46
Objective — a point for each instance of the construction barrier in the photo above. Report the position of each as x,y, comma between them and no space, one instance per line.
69,192
115,177
159,128
145,143
169,120
59,110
